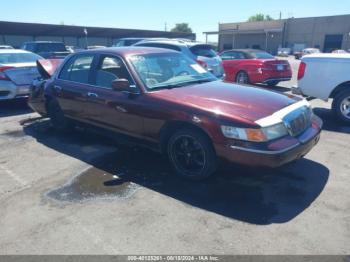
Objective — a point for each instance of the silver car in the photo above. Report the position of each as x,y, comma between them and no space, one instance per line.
202,53
6,47
17,71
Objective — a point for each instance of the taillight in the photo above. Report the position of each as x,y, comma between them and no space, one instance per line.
301,71
202,63
2,72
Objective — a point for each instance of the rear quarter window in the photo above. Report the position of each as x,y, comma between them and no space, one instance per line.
203,50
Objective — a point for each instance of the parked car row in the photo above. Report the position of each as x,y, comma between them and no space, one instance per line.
306,51
242,66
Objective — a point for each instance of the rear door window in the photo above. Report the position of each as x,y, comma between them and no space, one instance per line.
232,55
203,50
77,69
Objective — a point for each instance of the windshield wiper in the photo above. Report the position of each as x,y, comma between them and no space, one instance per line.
199,81
177,85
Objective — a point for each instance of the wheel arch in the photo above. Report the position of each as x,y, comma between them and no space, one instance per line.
340,88
241,71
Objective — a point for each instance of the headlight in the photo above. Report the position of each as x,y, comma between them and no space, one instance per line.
275,131
255,135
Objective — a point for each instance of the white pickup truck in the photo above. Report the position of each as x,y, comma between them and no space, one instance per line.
326,76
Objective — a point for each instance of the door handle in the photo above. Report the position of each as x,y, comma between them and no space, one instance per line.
58,89
92,95
121,109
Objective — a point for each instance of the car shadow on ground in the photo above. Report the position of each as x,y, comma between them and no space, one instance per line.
280,89
257,196
330,122
14,108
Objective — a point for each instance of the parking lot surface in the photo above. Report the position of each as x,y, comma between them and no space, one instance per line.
81,193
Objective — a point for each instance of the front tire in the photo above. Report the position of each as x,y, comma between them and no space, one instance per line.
341,106
242,78
191,154
58,120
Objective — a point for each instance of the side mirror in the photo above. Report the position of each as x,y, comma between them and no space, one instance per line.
122,85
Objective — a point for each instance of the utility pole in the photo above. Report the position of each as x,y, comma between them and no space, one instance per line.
165,27
86,37
280,15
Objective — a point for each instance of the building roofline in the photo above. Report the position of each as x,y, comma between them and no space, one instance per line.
37,29
285,19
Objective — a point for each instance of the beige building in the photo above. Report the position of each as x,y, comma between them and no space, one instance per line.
327,33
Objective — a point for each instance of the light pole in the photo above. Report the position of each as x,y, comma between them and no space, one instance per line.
86,37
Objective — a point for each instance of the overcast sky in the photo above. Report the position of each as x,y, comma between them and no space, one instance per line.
202,15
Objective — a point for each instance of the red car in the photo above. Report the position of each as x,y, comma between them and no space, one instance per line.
166,101
250,66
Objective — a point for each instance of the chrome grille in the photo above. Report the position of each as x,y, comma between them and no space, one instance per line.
298,121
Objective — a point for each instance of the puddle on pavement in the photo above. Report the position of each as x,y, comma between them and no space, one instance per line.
113,176
95,183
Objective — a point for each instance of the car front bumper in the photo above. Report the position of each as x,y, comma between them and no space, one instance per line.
273,154
8,90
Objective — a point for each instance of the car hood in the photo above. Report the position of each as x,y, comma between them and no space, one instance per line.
230,101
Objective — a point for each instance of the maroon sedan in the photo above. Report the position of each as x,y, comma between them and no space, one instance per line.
167,101
250,66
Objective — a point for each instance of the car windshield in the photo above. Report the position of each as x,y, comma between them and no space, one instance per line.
169,70
312,51
259,55
203,50
15,58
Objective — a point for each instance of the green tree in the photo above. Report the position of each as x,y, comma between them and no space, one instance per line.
260,17
181,28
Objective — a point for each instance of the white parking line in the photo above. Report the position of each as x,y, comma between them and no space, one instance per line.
14,176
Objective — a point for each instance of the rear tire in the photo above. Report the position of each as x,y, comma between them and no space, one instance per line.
58,120
273,83
191,154
242,78
341,106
